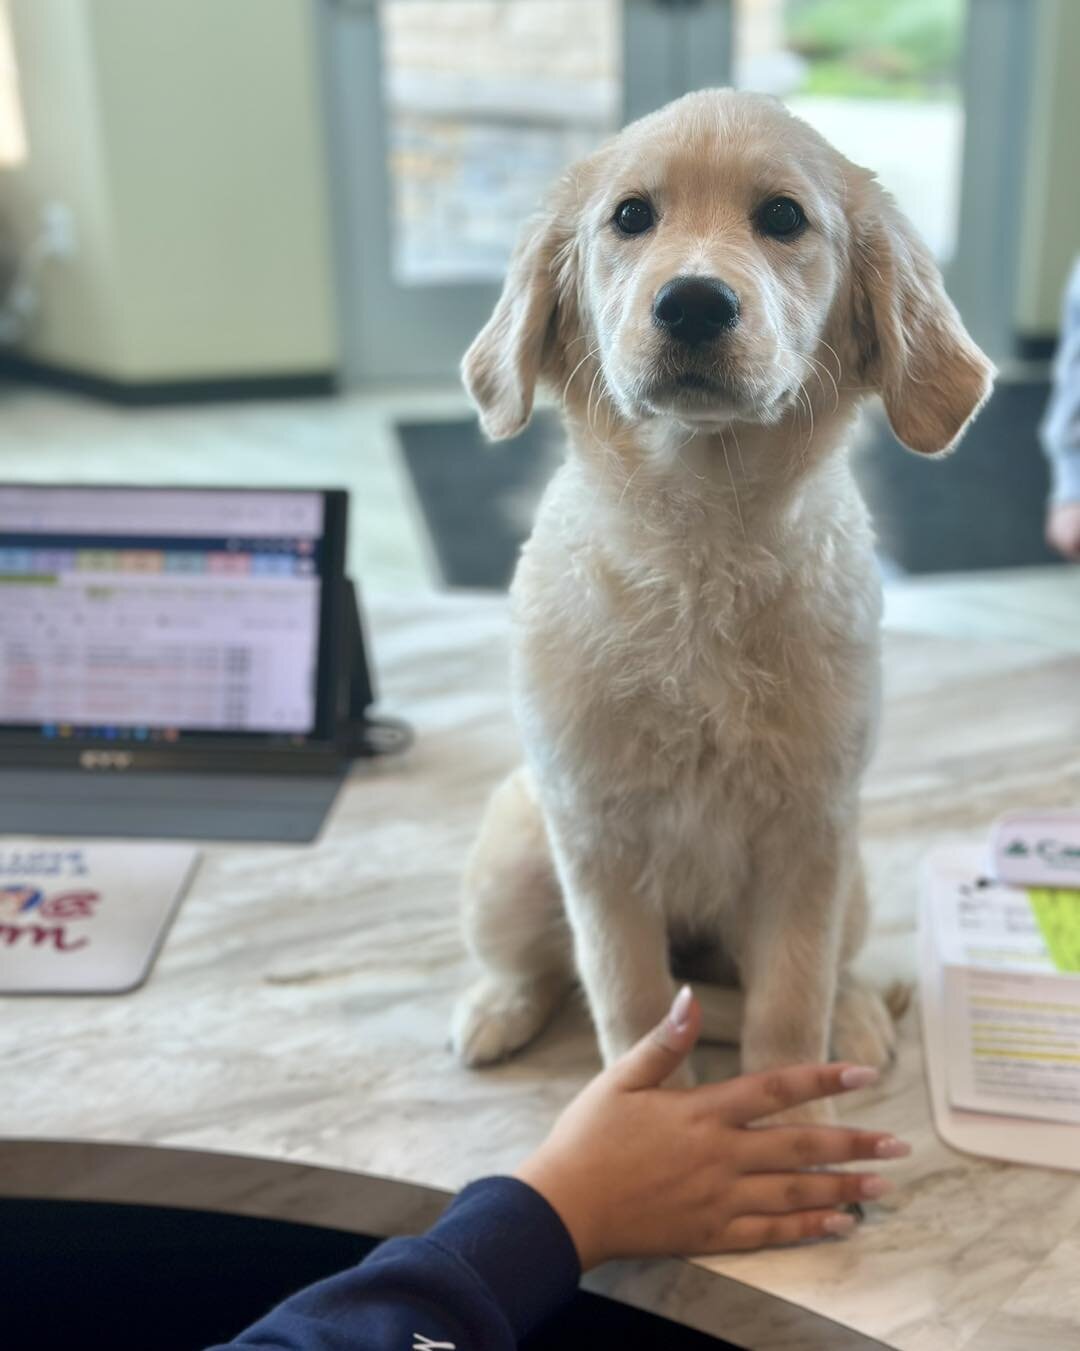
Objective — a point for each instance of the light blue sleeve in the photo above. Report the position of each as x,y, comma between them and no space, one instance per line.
1060,429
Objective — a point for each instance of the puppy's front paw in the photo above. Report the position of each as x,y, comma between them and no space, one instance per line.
493,1019
863,1029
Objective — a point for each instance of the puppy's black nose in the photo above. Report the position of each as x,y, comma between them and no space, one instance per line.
695,310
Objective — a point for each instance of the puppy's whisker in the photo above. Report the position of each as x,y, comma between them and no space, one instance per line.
810,435
799,405
819,366
734,489
836,356
570,377
816,367
832,380
701,478
589,402
626,486
692,432
738,451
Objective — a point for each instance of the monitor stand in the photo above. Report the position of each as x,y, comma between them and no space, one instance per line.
284,807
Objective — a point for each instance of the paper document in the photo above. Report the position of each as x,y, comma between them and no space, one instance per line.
1011,992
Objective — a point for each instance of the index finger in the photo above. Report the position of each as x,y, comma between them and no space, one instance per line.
750,1096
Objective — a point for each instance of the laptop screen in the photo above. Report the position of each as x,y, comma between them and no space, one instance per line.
160,614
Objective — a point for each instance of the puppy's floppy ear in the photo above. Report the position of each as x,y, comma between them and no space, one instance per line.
522,339
913,347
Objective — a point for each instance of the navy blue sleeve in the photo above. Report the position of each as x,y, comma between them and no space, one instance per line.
495,1265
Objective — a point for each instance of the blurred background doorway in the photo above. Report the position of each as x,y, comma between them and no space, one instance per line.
450,117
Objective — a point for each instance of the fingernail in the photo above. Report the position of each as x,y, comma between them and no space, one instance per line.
679,1016
858,1076
892,1148
838,1224
873,1187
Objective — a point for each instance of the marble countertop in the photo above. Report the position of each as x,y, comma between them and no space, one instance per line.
290,1044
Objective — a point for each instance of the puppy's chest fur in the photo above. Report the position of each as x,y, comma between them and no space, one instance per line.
707,674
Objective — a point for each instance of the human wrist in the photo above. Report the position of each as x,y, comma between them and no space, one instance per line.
570,1200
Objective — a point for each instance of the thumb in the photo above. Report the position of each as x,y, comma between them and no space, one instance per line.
663,1050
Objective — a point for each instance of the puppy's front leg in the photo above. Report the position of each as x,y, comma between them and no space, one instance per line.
620,939
789,957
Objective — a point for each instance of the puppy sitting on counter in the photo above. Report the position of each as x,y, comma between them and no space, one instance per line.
711,295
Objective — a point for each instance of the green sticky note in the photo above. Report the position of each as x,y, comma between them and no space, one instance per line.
1058,914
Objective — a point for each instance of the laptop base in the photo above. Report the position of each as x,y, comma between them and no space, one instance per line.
286,808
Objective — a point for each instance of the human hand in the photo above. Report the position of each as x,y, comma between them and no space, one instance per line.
636,1170
1063,529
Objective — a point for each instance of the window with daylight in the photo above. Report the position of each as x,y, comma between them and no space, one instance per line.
12,128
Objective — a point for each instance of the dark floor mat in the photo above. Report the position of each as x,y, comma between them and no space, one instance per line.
982,507
479,499
132,1278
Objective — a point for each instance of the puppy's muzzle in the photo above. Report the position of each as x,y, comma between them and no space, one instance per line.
695,311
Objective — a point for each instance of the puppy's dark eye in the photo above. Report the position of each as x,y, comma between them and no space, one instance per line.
781,217
634,216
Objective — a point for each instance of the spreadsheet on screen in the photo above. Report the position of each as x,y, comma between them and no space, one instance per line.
129,611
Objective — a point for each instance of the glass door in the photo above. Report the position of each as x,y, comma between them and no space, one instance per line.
449,117
881,80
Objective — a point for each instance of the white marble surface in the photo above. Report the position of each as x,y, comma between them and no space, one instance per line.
298,1012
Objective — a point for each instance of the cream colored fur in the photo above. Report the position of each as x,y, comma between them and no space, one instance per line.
696,615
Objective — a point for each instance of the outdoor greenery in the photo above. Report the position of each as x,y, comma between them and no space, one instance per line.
878,48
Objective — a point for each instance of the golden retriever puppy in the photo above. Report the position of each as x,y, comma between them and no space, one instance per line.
710,296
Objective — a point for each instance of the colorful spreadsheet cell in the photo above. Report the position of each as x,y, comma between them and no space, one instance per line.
17,561
54,560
